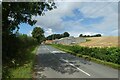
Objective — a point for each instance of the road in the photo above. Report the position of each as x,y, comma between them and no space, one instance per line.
54,63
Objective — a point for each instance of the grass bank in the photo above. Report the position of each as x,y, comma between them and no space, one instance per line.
25,70
103,56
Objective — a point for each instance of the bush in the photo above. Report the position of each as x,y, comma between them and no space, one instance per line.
15,48
111,54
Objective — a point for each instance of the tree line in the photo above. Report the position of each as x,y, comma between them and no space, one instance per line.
57,36
96,35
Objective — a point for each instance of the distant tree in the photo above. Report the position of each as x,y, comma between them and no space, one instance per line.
38,34
66,34
81,35
98,35
57,36
88,36
84,35
49,37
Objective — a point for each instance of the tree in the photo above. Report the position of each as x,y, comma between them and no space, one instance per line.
98,35
66,34
14,13
81,35
58,36
38,34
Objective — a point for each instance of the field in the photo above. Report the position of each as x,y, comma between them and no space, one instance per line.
101,42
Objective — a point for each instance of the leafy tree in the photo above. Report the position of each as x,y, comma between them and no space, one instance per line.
66,34
81,35
38,34
98,35
14,13
58,36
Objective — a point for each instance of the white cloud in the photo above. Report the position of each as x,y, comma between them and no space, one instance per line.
53,18
108,10
52,21
48,32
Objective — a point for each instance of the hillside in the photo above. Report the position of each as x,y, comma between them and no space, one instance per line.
101,42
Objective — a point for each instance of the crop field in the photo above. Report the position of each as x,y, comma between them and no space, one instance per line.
101,42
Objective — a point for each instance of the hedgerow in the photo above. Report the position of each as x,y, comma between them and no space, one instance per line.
109,54
16,51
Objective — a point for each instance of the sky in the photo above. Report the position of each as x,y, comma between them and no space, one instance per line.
77,18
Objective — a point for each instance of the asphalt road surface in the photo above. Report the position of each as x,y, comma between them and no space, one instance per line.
54,63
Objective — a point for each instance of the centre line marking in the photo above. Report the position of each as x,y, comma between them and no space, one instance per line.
76,67
47,48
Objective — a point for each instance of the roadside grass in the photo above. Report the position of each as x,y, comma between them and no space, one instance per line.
109,64
25,70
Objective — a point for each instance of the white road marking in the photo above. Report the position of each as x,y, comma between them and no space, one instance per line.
83,71
75,67
56,52
39,72
47,48
62,52
65,60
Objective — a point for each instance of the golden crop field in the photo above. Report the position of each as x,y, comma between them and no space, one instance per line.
101,42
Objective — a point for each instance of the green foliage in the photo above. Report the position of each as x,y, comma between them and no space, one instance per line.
15,51
14,13
25,71
58,36
81,35
111,54
38,34
54,36
14,48
96,35
66,34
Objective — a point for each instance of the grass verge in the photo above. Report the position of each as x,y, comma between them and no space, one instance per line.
25,71
110,64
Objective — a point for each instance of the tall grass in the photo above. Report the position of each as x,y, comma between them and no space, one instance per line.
17,53
25,71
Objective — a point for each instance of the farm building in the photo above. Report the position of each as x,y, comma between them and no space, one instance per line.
69,40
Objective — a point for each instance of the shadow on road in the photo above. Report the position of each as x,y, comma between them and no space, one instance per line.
55,62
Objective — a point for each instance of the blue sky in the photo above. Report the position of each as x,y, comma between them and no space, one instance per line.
25,28
76,18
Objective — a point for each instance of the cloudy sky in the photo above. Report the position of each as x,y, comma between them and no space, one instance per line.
78,17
